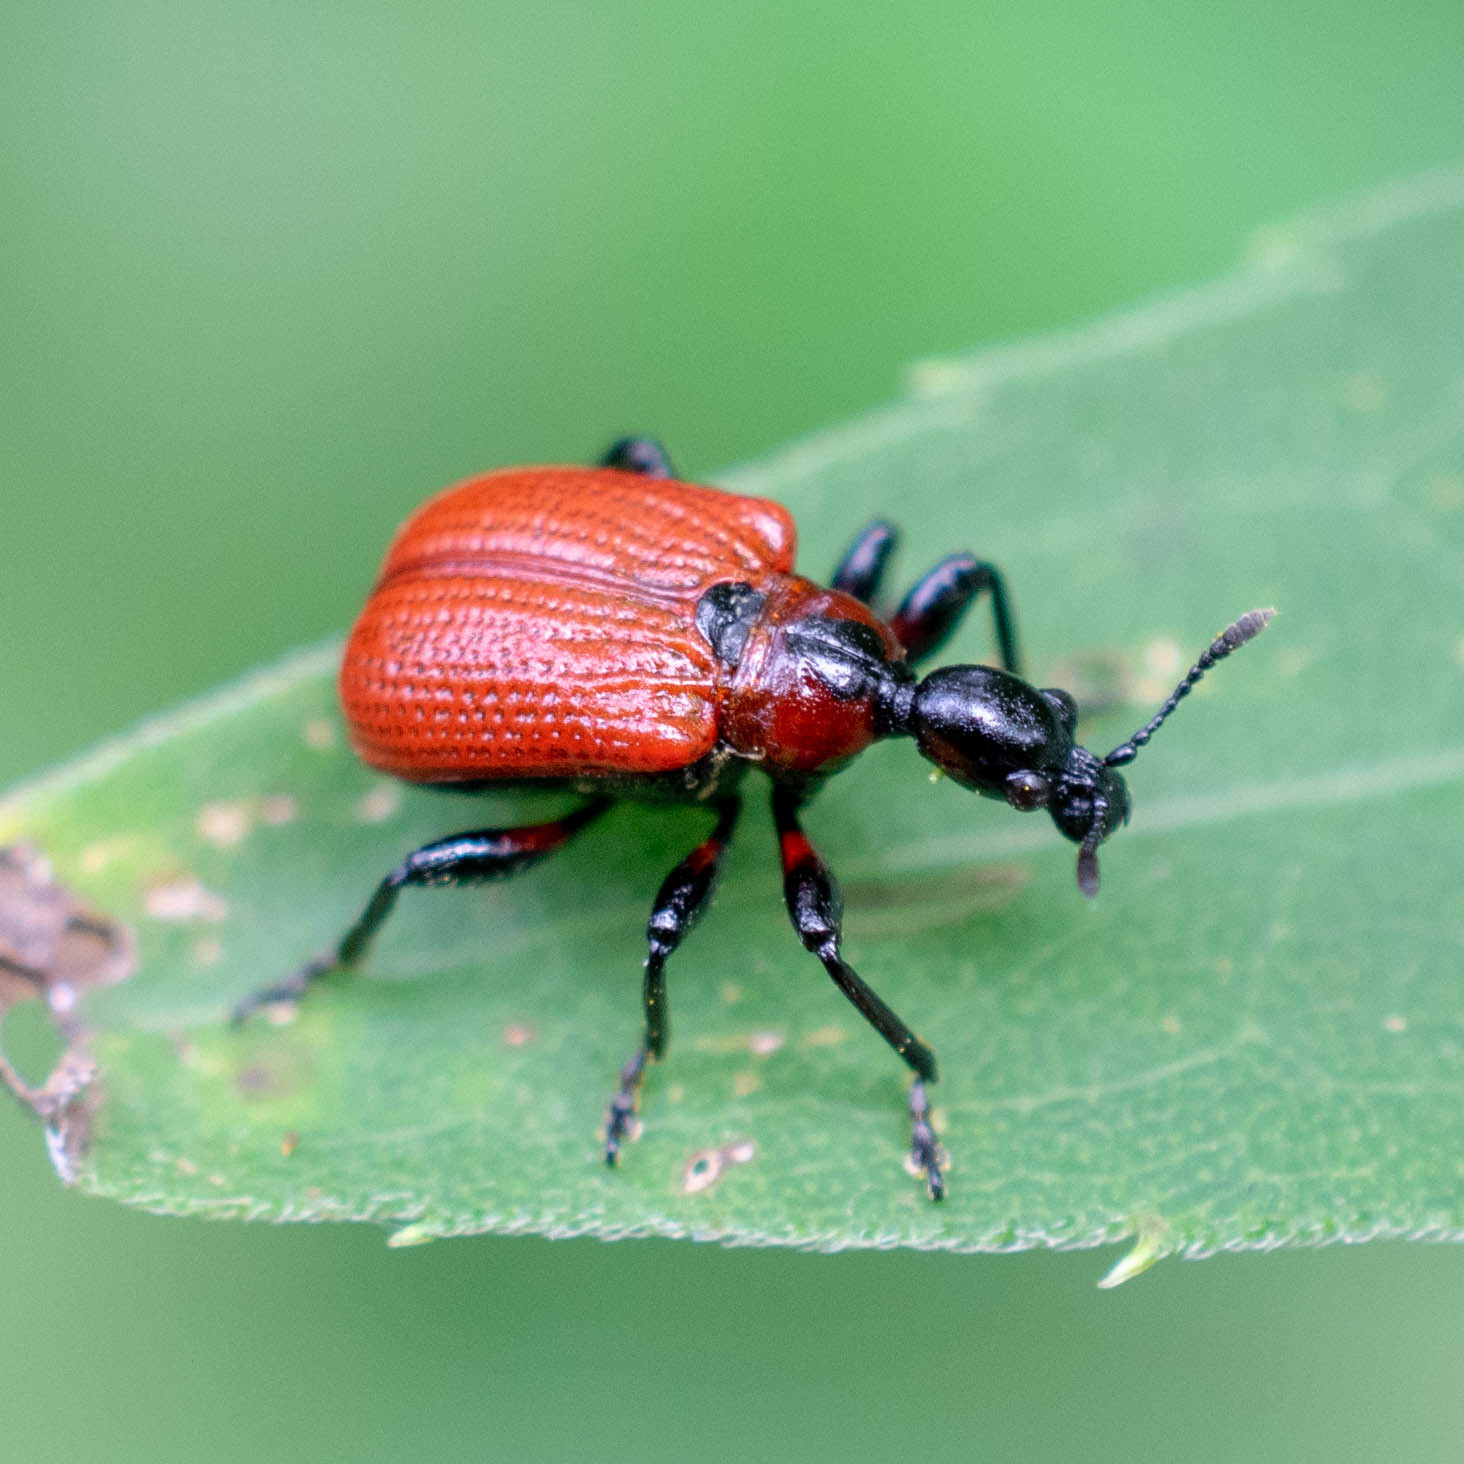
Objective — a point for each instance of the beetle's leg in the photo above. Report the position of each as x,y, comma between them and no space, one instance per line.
679,905
471,858
816,909
639,455
938,600
863,565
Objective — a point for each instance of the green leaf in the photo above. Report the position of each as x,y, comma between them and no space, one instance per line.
1254,1037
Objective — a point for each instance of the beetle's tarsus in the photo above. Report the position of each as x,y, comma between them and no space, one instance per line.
926,1154
620,1121
291,989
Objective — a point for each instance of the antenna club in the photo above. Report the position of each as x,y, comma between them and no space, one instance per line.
1235,635
1238,632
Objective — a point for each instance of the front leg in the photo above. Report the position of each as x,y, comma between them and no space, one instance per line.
937,601
683,897
817,911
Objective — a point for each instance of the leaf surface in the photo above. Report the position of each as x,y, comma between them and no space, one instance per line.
1255,1036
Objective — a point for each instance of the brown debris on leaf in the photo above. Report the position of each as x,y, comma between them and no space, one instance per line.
52,949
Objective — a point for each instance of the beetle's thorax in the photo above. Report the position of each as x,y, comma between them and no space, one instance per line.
808,675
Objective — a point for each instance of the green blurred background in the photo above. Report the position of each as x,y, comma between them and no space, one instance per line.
273,271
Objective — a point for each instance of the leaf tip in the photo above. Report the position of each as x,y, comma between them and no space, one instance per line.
414,1234
1150,1245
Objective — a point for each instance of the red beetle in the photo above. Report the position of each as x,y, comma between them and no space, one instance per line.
615,632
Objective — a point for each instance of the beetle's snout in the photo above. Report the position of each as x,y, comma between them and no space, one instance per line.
1090,801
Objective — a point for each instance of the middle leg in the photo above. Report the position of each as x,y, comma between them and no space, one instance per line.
679,905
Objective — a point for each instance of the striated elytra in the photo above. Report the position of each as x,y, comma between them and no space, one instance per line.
620,634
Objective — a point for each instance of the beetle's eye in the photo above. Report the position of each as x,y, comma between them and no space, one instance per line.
1026,791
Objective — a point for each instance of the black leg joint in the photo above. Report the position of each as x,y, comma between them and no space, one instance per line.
685,892
929,614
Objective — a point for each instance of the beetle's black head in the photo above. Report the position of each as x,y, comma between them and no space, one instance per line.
994,733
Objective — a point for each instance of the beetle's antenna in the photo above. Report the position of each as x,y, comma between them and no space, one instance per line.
1232,638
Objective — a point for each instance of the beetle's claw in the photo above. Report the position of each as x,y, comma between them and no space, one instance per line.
265,996
620,1124
291,989
926,1155
934,1178
617,1126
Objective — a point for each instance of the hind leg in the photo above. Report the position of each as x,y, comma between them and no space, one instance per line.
471,858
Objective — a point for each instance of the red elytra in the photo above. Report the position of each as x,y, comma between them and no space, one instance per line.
620,634
541,623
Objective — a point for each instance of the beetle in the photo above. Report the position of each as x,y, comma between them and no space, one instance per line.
620,634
